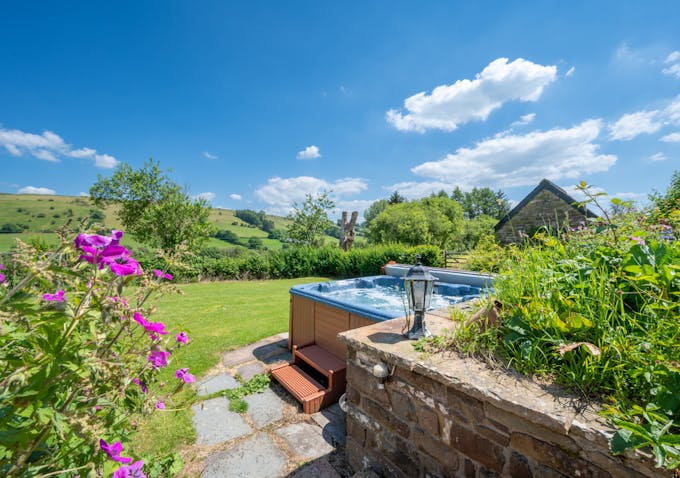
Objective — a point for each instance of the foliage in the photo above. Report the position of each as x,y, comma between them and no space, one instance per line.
482,201
476,229
153,207
310,220
396,198
77,355
596,309
257,219
667,205
227,236
488,255
374,210
435,220
12,227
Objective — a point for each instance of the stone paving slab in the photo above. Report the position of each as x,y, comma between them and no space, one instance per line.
216,383
332,423
215,423
248,371
264,408
305,440
257,351
258,456
317,469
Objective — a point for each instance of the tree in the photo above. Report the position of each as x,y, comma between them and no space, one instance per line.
374,209
667,205
396,198
482,201
435,220
153,207
310,220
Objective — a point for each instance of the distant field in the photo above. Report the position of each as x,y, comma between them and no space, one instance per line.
41,215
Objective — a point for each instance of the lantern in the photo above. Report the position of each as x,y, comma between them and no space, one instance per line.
419,285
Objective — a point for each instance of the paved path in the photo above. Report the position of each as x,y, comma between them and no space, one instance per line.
273,438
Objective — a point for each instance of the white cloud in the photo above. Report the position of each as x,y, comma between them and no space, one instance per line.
34,190
671,138
207,196
208,155
672,112
416,189
83,194
657,157
281,193
576,193
521,160
49,146
634,124
570,71
467,100
310,152
524,119
235,197
674,60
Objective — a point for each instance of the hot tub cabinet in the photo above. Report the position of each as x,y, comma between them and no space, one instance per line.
316,375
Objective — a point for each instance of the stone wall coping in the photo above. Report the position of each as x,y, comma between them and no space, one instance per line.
550,406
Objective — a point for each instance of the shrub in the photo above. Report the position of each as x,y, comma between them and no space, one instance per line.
77,356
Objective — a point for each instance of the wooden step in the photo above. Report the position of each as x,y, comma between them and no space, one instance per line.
304,388
319,358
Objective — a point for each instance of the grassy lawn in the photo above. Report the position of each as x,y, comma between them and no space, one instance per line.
218,316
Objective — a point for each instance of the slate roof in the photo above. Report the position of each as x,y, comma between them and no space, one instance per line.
548,185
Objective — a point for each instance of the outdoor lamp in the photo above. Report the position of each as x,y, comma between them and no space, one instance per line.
419,285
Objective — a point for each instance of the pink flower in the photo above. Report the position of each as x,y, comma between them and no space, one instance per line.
160,405
153,328
132,471
161,275
158,358
114,451
182,337
2,277
637,239
141,384
56,297
92,240
183,373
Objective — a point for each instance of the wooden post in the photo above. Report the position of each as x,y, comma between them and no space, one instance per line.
347,233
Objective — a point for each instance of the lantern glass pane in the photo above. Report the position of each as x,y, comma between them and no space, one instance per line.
429,288
419,290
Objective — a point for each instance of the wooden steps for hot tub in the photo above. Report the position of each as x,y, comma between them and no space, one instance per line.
306,389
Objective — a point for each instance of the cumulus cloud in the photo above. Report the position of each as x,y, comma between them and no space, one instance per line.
235,197
671,138
673,62
310,152
208,155
576,193
419,189
657,157
521,160
83,194
468,100
570,71
634,124
524,119
281,193
34,190
49,146
206,196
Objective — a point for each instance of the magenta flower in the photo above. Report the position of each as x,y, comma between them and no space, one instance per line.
161,275
637,239
114,451
158,358
2,277
160,405
132,471
182,337
2,266
141,384
153,328
183,373
119,260
116,236
92,240
56,297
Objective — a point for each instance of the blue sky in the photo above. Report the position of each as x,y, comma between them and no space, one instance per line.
254,104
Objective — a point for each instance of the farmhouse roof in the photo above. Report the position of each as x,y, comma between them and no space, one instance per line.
545,185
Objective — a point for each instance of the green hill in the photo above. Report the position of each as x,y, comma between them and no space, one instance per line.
29,217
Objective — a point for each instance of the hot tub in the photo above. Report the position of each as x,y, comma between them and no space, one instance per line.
319,311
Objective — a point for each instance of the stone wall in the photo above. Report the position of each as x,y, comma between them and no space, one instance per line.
545,209
443,416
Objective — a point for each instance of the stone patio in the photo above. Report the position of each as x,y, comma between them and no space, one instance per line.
273,438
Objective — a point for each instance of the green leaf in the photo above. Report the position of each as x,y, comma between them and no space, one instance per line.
625,439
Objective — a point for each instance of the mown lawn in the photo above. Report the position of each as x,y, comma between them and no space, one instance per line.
218,316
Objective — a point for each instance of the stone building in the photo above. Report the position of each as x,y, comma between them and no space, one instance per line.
547,206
